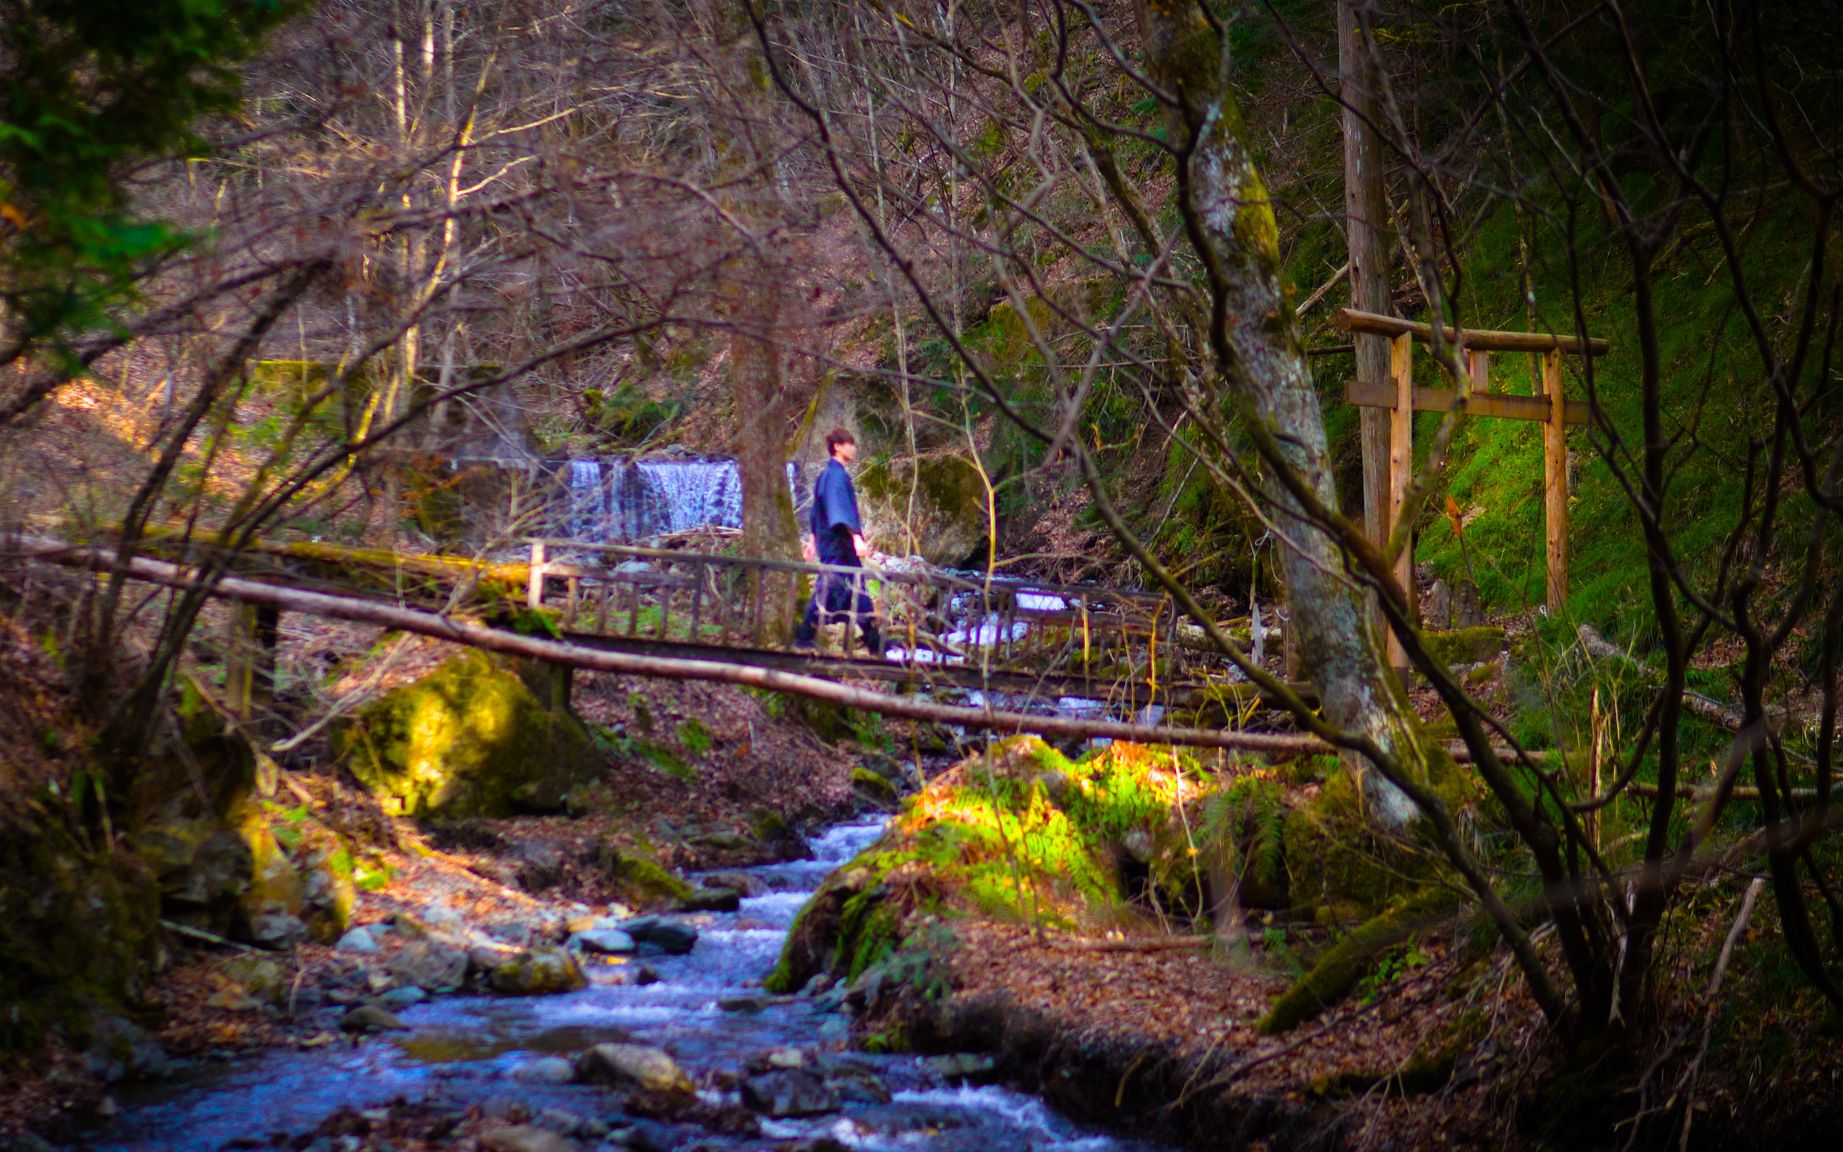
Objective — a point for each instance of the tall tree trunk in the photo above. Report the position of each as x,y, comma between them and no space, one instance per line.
1365,209
1255,341
759,389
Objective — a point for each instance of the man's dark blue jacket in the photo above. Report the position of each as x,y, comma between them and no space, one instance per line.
835,515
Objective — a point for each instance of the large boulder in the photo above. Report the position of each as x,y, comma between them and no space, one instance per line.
928,506
468,739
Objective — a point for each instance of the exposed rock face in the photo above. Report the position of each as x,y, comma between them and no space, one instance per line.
465,740
933,507
538,972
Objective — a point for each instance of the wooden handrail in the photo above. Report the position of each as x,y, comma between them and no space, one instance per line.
933,578
1477,339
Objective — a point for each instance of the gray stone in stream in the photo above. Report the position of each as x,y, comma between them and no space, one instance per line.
569,1124
370,1018
526,1138
605,942
635,1066
277,931
711,900
430,965
358,942
746,1004
633,976
963,1066
853,1082
545,1070
397,999
655,1136
656,934
790,1092
743,882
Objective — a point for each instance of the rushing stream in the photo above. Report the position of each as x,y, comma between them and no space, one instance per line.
466,1050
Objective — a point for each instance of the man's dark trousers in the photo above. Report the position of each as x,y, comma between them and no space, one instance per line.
834,600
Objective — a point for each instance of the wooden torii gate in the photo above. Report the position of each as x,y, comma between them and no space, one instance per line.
1550,408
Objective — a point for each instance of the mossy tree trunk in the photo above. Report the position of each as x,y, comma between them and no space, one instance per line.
1259,356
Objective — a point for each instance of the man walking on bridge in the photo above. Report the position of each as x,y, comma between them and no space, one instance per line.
838,538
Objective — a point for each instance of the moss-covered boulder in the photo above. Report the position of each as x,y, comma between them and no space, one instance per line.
1019,832
641,880
538,972
468,739
1465,645
931,506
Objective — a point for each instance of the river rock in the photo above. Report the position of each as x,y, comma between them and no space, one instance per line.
545,1070
538,972
789,1092
119,1048
358,942
526,1138
260,978
963,1066
743,882
430,965
486,958
605,942
569,1124
397,999
277,931
656,1136
711,900
328,896
854,1082
636,1066
657,934
745,1004
370,1018
633,976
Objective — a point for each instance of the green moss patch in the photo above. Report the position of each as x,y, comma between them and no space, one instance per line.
1018,833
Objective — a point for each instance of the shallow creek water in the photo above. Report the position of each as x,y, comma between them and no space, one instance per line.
464,1050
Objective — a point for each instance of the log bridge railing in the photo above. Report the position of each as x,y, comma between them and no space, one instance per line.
1000,632
1550,408
1019,638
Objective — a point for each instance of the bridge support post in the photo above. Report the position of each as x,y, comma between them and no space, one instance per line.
249,663
534,588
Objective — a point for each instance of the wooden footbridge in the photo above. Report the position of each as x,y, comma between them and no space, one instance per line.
992,650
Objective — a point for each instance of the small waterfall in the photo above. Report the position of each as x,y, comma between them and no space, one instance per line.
618,499
587,518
